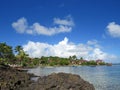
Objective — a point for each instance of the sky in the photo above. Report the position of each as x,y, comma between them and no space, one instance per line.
85,28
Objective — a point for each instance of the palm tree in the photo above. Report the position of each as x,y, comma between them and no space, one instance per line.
20,53
18,49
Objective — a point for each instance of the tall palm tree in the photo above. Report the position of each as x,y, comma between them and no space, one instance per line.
20,53
18,49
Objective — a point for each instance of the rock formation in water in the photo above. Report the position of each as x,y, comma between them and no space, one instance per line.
63,81
12,79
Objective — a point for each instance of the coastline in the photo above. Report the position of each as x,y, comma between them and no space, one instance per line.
13,79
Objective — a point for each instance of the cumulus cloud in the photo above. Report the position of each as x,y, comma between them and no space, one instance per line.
93,43
114,29
67,21
60,26
65,48
21,25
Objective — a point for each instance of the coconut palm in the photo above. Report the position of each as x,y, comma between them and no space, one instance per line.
18,49
20,53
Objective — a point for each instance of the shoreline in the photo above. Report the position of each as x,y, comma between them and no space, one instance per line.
13,79
18,67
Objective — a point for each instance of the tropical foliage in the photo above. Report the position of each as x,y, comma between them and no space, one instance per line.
18,56
6,53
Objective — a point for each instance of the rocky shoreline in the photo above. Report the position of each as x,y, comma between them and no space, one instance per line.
13,79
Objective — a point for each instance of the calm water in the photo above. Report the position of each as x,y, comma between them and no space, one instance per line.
102,77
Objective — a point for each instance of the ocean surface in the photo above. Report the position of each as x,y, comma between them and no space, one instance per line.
102,77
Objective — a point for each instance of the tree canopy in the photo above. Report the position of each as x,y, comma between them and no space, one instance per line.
6,51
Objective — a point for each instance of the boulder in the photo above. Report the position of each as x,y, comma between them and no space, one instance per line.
63,81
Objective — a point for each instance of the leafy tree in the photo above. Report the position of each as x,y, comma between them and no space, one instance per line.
70,57
102,63
18,49
6,51
74,57
53,63
36,61
81,58
20,53
44,60
64,62
92,62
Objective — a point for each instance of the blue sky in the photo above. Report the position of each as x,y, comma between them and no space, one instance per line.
86,28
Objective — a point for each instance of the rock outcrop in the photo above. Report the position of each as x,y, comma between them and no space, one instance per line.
60,81
63,81
12,79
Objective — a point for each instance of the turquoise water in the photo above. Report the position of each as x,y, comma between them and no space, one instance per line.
102,77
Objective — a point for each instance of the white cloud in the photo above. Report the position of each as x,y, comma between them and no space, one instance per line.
67,21
65,48
114,29
61,26
93,43
97,53
21,25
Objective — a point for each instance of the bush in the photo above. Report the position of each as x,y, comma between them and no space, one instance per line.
64,62
24,64
35,62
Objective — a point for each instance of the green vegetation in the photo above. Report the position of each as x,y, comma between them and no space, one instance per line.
18,56
6,53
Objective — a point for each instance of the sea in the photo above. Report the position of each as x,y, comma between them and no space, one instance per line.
102,77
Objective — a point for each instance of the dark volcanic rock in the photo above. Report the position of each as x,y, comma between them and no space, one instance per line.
12,79
63,81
